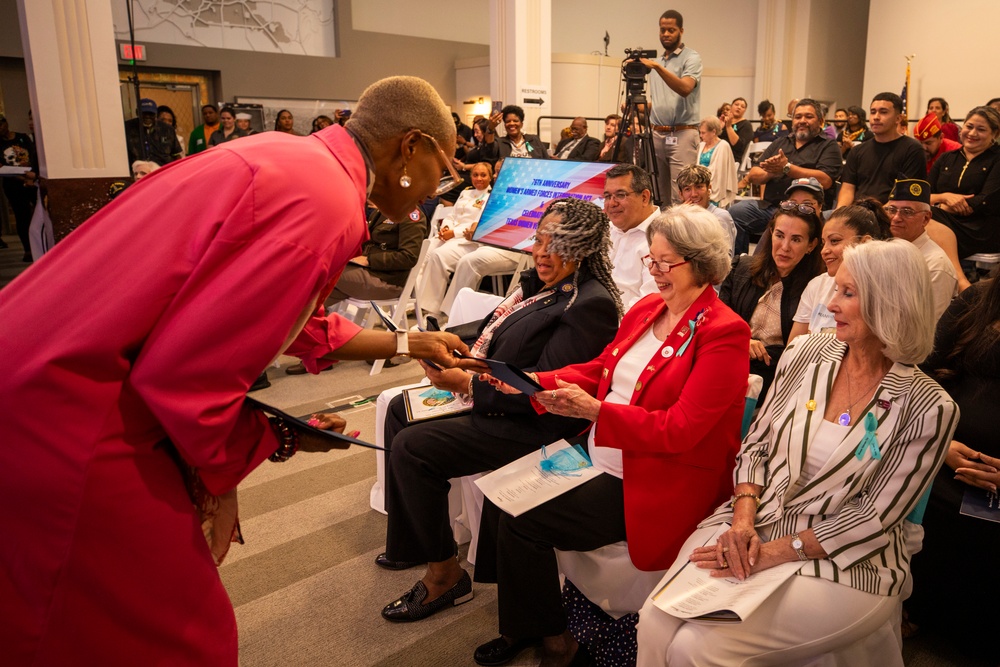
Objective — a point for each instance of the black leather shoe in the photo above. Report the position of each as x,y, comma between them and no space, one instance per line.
410,606
499,652
383,561
260,383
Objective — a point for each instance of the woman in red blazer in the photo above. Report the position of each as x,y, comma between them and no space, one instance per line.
666,399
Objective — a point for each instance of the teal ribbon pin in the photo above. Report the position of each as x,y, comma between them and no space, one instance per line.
869,441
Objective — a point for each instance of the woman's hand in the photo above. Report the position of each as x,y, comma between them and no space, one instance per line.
502,386
759,352
469,231
360,260
459,165
446,233
328,421
495,119
736,551
972,467
454,380
437,346
569,400
769,555
955,203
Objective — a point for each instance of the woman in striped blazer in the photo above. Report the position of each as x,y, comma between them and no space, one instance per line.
848,440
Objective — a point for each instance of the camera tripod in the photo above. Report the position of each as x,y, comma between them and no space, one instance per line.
635,119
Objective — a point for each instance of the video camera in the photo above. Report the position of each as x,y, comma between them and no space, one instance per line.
633,71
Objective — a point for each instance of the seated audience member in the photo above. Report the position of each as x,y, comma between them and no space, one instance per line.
474,154
149,138
841,453
227,128
994,103
143,168
736,130
463,135
578,146
607,151
514,143
285,122
764,289
840,120
966,361
804,153
665,433
717,156
932,140
453,240
855,130
860,222
565,311
806,191
909,211
198,141
939,107
873,167
965,185
695,184
769,128
320,122
628,202
243,123
829,129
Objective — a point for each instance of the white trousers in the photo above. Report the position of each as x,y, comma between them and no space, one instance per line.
483,261
442,259
804,619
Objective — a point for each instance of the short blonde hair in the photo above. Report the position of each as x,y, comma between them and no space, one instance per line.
698,237
894,289
395,105
713,124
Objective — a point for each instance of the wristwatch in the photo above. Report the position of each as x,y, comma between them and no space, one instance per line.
797,545
787,168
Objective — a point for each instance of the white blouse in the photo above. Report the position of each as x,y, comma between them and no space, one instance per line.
631,365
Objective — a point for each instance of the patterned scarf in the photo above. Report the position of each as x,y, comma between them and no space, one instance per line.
507,307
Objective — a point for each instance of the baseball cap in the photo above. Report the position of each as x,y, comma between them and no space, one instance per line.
810,184
147,105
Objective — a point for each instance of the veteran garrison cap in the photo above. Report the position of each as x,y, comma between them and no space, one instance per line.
911,189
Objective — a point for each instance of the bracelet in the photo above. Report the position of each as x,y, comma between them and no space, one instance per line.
738,496
472,379
403,343
288,438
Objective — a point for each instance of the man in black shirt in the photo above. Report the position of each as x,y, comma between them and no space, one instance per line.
873,167
150,139
18,150
805,153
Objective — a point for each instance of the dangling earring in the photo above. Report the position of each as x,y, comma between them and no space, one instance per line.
405,181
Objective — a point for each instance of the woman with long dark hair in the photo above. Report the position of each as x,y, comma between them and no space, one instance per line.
939,107
855,129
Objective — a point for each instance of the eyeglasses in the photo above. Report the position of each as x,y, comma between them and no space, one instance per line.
804,209
662,267
619,196
907,212
452,180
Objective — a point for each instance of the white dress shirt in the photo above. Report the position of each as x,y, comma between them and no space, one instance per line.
944,282
627,250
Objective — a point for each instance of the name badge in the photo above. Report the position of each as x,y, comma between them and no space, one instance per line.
670,140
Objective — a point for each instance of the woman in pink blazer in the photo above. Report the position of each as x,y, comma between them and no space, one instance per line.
666,401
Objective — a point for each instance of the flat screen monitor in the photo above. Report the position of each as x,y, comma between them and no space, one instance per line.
523,189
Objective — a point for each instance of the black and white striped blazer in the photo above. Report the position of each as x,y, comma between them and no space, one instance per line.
855,507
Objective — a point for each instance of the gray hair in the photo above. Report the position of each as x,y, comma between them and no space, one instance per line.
894,290
714,124
582,234
148,164
395,105
698,237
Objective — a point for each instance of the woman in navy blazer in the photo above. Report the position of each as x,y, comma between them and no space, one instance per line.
666,401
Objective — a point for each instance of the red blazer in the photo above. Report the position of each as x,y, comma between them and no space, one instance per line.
680,433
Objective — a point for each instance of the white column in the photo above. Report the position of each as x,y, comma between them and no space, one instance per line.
69,54
782,51
521,56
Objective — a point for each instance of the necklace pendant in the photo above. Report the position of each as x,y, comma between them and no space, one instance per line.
844,419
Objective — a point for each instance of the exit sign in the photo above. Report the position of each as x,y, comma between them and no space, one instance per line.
130,53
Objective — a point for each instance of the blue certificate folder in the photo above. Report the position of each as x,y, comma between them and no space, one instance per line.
345,440
508,373
981,504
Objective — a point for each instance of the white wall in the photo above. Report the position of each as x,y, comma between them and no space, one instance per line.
465,21
955,47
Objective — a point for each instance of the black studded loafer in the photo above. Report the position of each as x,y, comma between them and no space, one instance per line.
383,561
499,652
410,607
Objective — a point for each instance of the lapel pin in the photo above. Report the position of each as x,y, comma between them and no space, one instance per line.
884,404
810,405
667,352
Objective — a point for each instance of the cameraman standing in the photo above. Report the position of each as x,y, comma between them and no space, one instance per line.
674,98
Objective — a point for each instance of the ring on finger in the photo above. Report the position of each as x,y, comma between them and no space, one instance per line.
725,549
725,563
553,395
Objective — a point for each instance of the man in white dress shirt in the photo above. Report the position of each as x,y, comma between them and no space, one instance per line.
909,210
628,201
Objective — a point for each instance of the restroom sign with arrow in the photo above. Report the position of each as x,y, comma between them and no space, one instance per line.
535,95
